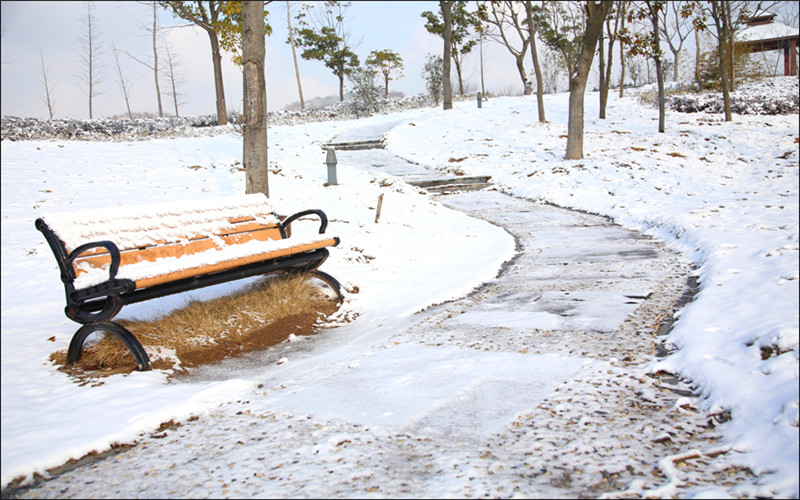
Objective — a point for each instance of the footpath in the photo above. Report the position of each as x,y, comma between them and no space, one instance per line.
564,409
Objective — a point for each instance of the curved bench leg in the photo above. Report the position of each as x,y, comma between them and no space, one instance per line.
331,281
133,345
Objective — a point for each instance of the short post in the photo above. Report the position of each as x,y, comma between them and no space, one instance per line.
330,160
480,100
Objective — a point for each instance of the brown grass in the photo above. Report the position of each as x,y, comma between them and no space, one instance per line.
254,318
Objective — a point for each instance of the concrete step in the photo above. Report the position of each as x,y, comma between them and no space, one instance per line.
453,184
355,146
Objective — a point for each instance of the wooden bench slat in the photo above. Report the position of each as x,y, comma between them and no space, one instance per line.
230,264
99,258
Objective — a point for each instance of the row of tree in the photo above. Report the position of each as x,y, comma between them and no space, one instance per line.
579,30
576,31
91,52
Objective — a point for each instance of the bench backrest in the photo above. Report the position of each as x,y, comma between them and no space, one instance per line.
173,229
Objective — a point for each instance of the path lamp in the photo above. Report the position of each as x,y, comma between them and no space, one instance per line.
330,160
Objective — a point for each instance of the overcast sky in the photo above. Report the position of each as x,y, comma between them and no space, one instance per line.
55,28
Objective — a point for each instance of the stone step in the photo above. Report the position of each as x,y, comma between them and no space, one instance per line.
355,146
453,184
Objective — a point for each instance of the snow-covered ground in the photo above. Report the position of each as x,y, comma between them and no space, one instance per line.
725,194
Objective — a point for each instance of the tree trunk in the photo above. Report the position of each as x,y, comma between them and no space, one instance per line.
622,59
294,55
448,30
602,61
594,27
254,154
697,57
675,74
526,85
722,28
155,61
458,75
605,85
659,73
535,56
222,113
483,85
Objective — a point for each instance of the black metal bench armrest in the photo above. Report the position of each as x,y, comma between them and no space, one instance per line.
322,218
108,245
110,287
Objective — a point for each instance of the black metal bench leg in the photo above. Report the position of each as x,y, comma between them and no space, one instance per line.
133,345
331,281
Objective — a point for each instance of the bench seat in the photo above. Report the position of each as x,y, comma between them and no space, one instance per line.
117,256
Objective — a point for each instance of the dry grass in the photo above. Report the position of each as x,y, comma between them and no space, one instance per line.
261,315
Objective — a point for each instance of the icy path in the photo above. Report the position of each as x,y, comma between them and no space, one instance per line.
562,406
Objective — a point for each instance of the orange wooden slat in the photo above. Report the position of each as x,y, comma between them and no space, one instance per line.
153,253
221,266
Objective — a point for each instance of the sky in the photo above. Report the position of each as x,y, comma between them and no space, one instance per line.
392,399
55,29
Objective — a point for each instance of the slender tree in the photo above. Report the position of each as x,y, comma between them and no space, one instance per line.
124,84
210,17
294,54
386,62
47,89
90,55
622,5
325,39
254,154
720,12
176,79
447,32
596,13
154,33
613,23
510,25
463,24
676,26
533,18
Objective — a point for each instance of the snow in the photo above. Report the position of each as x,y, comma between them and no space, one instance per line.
768,31
724,194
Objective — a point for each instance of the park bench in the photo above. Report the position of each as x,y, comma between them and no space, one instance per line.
113,257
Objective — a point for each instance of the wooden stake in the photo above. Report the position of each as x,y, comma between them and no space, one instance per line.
378,211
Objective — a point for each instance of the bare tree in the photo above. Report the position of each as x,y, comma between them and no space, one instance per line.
505,17
623,7
534,18
154,32
123,82
46,87
613,23
176,78
721,13
446,36
596,13
676,26
212,19
294,54
254,155
90,53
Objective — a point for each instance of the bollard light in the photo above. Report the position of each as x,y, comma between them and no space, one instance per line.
330,160
480,99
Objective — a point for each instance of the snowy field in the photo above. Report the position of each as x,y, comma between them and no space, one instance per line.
725,195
